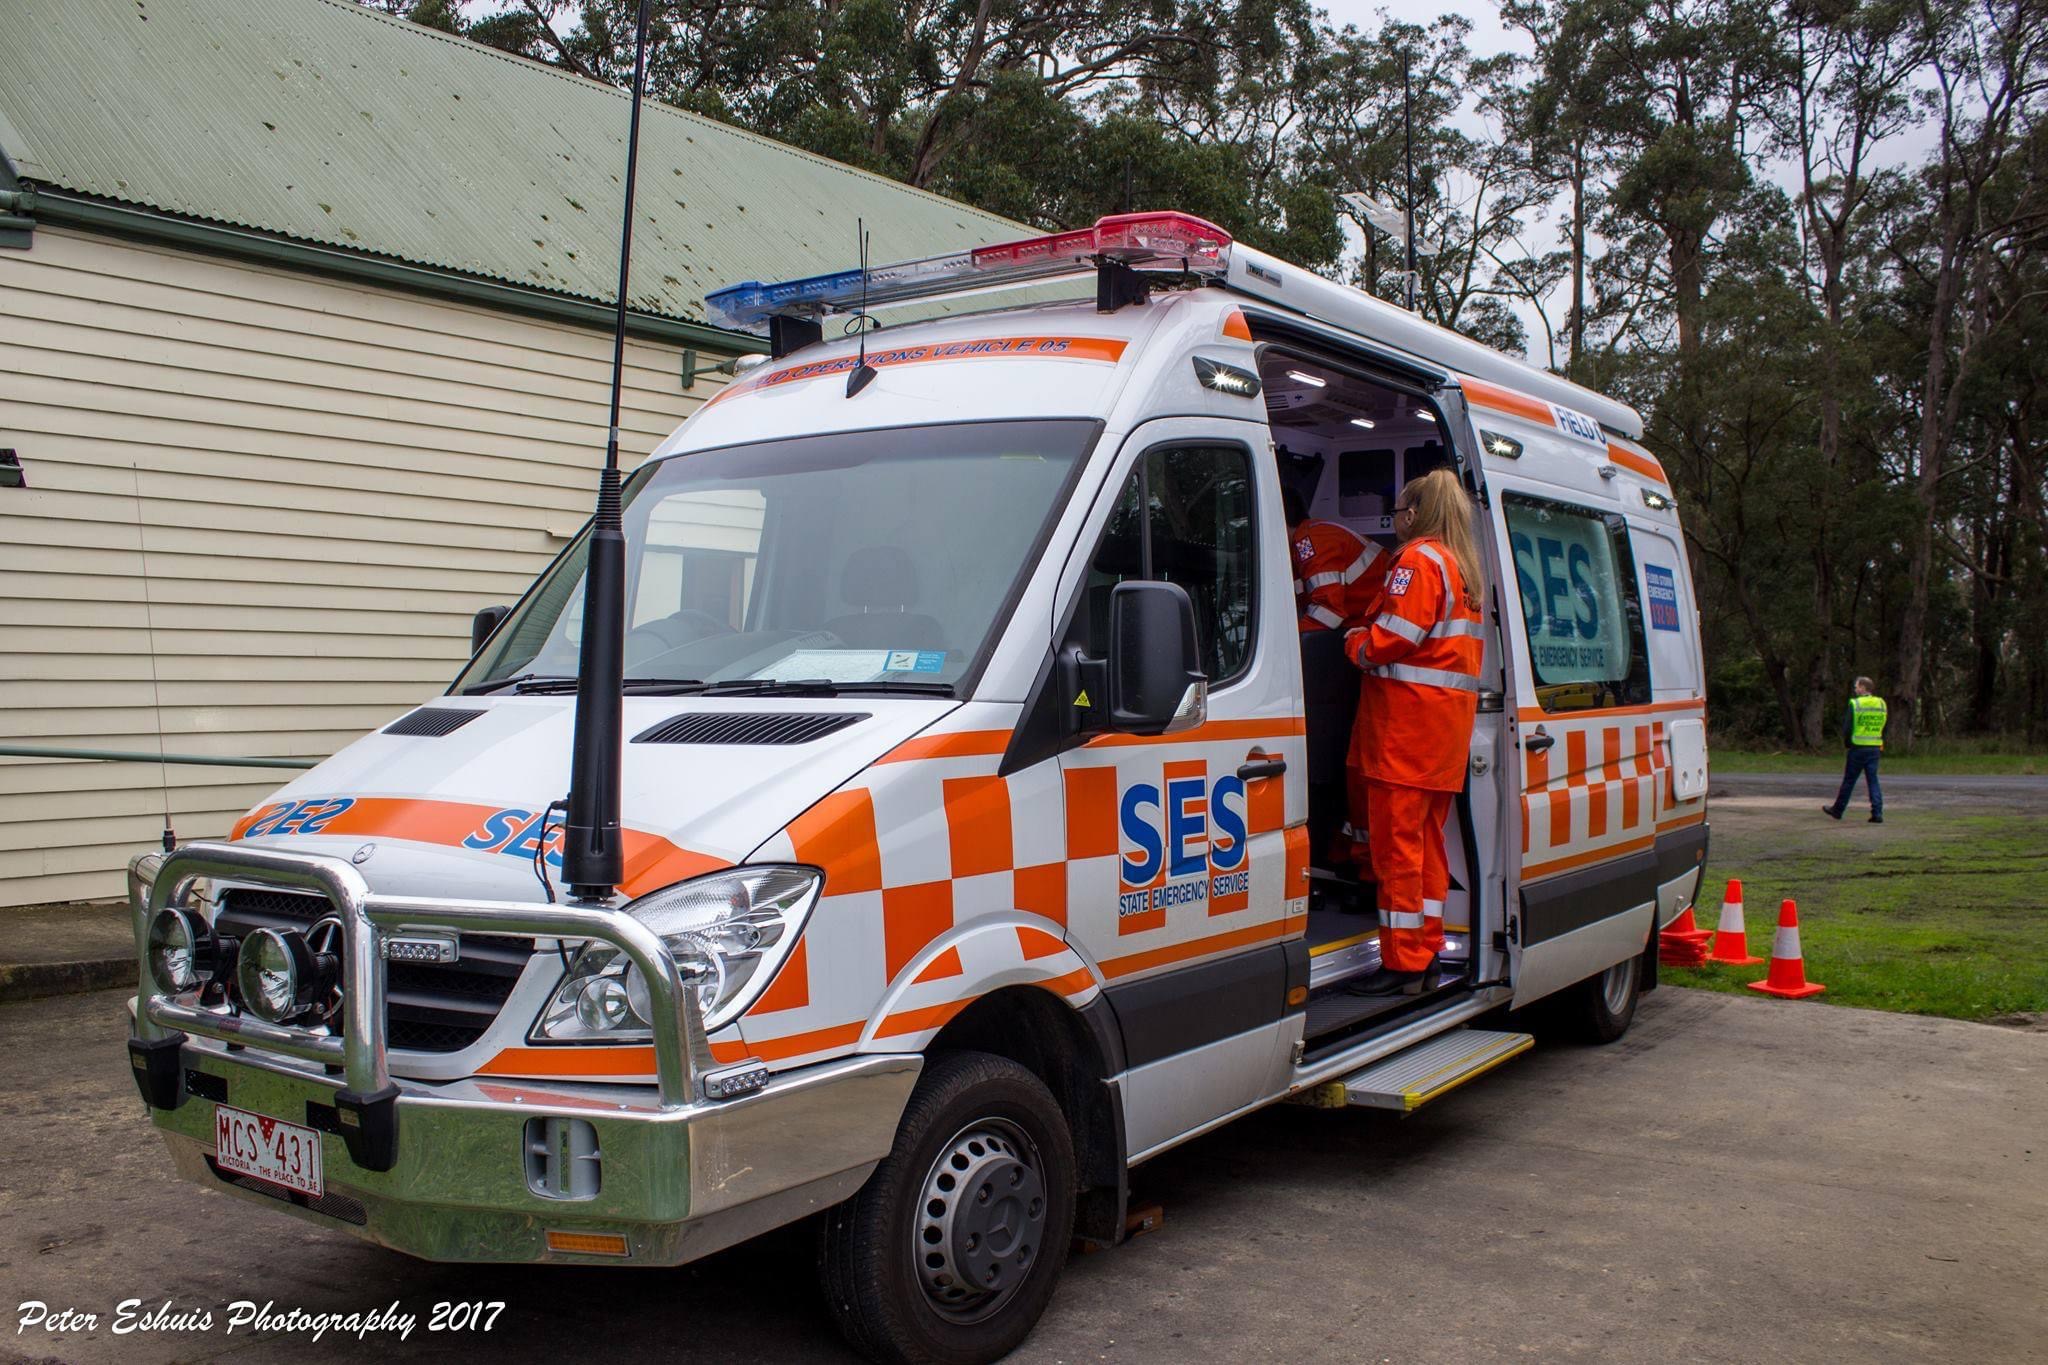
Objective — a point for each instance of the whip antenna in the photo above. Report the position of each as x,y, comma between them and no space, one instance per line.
593,859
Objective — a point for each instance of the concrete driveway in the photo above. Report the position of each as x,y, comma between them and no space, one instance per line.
1737,1180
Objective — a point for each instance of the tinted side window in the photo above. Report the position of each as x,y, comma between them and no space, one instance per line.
1581,614
1184,516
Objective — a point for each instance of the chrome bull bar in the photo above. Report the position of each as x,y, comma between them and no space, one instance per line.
682,1053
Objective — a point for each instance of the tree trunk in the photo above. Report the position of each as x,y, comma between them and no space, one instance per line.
1933,452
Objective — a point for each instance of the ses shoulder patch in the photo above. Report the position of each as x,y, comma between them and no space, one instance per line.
1304,549
1398,581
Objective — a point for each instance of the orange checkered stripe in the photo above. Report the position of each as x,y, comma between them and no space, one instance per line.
945,881
1603,790
928,920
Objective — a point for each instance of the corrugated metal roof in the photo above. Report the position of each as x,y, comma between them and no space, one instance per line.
327,122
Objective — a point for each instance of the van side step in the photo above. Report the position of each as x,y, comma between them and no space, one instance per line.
1412,1078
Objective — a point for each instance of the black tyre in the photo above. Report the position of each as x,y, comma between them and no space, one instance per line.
949,1253
1600,1008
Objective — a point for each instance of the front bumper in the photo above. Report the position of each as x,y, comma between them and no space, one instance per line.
680,1174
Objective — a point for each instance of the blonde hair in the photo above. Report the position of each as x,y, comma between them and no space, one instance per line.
1444,513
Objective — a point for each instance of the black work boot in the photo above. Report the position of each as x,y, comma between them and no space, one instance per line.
1831,812
1876,819
1387,981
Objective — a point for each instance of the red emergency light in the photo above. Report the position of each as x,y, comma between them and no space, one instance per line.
1140,241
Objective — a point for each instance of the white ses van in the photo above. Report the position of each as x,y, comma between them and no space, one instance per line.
974,780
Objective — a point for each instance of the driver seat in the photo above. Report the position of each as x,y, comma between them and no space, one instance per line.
881,580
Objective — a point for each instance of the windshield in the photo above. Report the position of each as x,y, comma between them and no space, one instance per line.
877,560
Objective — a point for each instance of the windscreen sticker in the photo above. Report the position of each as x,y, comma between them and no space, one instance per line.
828,665
916,661
1663,586
1107,350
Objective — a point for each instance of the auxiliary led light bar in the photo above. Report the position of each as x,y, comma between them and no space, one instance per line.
1142,241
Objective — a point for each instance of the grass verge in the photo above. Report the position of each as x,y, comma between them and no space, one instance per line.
1932,761
1941,910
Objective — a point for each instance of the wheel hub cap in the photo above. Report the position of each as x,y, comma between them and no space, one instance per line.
981,1220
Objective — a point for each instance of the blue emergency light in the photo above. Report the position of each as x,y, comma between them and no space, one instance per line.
1141,241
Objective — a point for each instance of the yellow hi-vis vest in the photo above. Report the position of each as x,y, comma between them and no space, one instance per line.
1866,721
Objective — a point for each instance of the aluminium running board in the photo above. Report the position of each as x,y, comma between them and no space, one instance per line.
1414,1076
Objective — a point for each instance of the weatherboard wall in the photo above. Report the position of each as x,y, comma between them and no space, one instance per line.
262,507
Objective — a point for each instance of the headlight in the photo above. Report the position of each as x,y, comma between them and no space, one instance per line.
174,951
729,933
279,976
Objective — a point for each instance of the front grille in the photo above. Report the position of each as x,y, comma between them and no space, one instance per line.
428,1007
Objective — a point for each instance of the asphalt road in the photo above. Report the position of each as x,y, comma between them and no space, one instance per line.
2029,787
1736,1180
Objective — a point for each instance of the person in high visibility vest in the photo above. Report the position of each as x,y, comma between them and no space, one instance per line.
1337,572
1863,733
1421,656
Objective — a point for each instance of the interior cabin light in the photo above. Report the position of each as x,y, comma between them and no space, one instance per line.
1298,377
1365,422
1425,414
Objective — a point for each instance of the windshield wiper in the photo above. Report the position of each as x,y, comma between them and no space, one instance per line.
818,687
519,680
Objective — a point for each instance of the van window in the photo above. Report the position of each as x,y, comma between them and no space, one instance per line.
1580,611
871,558
1197,531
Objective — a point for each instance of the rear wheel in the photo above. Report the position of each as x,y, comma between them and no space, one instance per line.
1600,1008
951,1250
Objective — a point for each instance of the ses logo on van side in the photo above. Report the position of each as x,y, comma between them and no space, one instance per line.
1184,843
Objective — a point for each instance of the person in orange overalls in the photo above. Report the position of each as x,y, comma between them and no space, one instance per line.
1413,737
1336,571
1337,577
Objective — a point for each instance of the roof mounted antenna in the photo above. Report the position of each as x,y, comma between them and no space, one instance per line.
863,373
593,856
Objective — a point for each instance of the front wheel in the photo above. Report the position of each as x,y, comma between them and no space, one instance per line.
949,1253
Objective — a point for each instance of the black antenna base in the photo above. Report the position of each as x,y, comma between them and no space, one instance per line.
863,374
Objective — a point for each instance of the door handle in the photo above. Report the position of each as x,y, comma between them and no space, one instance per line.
1257,765
1539,741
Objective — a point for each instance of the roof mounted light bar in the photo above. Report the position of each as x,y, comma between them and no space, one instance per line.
1137,241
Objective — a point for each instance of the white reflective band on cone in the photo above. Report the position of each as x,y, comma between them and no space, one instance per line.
1785,943
1731,917
1400,919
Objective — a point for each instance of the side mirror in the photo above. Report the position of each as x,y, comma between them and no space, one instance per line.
482,624
1156,683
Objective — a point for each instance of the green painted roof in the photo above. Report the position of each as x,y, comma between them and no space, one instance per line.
325,122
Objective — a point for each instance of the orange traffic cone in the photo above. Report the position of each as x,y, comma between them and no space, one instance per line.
1788,969
1731,942
1685,927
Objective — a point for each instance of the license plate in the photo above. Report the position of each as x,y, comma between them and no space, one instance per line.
269,1149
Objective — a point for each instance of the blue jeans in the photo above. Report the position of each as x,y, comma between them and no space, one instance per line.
1862,763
